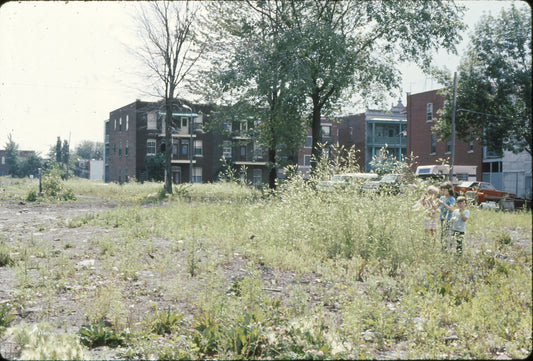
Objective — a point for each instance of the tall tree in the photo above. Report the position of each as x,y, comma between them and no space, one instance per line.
30,165
251,75
333,48
169,51
356,46
88,149
494,84
12,155
65,155
58,152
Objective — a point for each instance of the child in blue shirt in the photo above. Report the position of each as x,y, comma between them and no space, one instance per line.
446,203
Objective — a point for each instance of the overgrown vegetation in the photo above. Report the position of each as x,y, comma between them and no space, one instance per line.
225,271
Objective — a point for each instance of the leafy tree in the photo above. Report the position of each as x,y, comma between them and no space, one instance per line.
90,150
255,79
155,167
58,152
30,165
332,47
355,45
494,84
12,155
169,52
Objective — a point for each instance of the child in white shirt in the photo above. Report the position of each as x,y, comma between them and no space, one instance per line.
458,222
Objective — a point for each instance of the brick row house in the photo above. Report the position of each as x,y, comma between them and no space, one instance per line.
506,171
137,131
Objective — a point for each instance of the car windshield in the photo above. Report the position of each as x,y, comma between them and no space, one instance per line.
389,178
487,186
468,184
338,178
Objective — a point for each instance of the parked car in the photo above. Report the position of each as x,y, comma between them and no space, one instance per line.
389,182
482,192
441,172
342,181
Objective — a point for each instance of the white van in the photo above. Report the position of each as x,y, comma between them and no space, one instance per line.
341,181
460,172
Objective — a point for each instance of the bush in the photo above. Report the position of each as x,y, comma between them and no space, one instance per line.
32,196
100,334
54,188
38,342
6,317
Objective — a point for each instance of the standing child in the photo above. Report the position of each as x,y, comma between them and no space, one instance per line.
459,218
428,202
446,202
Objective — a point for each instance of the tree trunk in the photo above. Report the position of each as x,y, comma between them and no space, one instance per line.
168,145
315,133
272,173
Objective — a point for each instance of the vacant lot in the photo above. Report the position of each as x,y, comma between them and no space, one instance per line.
223,271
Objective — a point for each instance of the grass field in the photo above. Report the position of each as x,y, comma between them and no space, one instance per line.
225,270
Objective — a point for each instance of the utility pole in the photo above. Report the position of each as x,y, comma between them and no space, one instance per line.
453,125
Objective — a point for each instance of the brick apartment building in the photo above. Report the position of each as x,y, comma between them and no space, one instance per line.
137,131
506,171
372,130
426,147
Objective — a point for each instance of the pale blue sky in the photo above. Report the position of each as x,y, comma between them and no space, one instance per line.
64,67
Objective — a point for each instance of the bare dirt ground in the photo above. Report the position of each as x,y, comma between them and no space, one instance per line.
63,298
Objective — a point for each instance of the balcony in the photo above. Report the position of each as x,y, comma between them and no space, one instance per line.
391,141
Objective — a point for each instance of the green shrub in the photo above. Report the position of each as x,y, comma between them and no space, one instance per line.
164,322
32,196
39,342
53,187
5,259
6,317
100,334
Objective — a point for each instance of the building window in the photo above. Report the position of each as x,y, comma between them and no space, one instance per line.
184,122
126,175
151,121
150,147
448,145
3,160
120,124
196,175
351,134
307,160
243,152
126,149
127,122
226,149
120,149
471,143
429,112
198,123
433,144
185,147
175,149
308,142
257,177
258,150
198,145
115,125
326,130
227,126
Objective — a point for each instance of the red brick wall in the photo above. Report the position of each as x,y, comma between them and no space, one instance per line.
419,135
